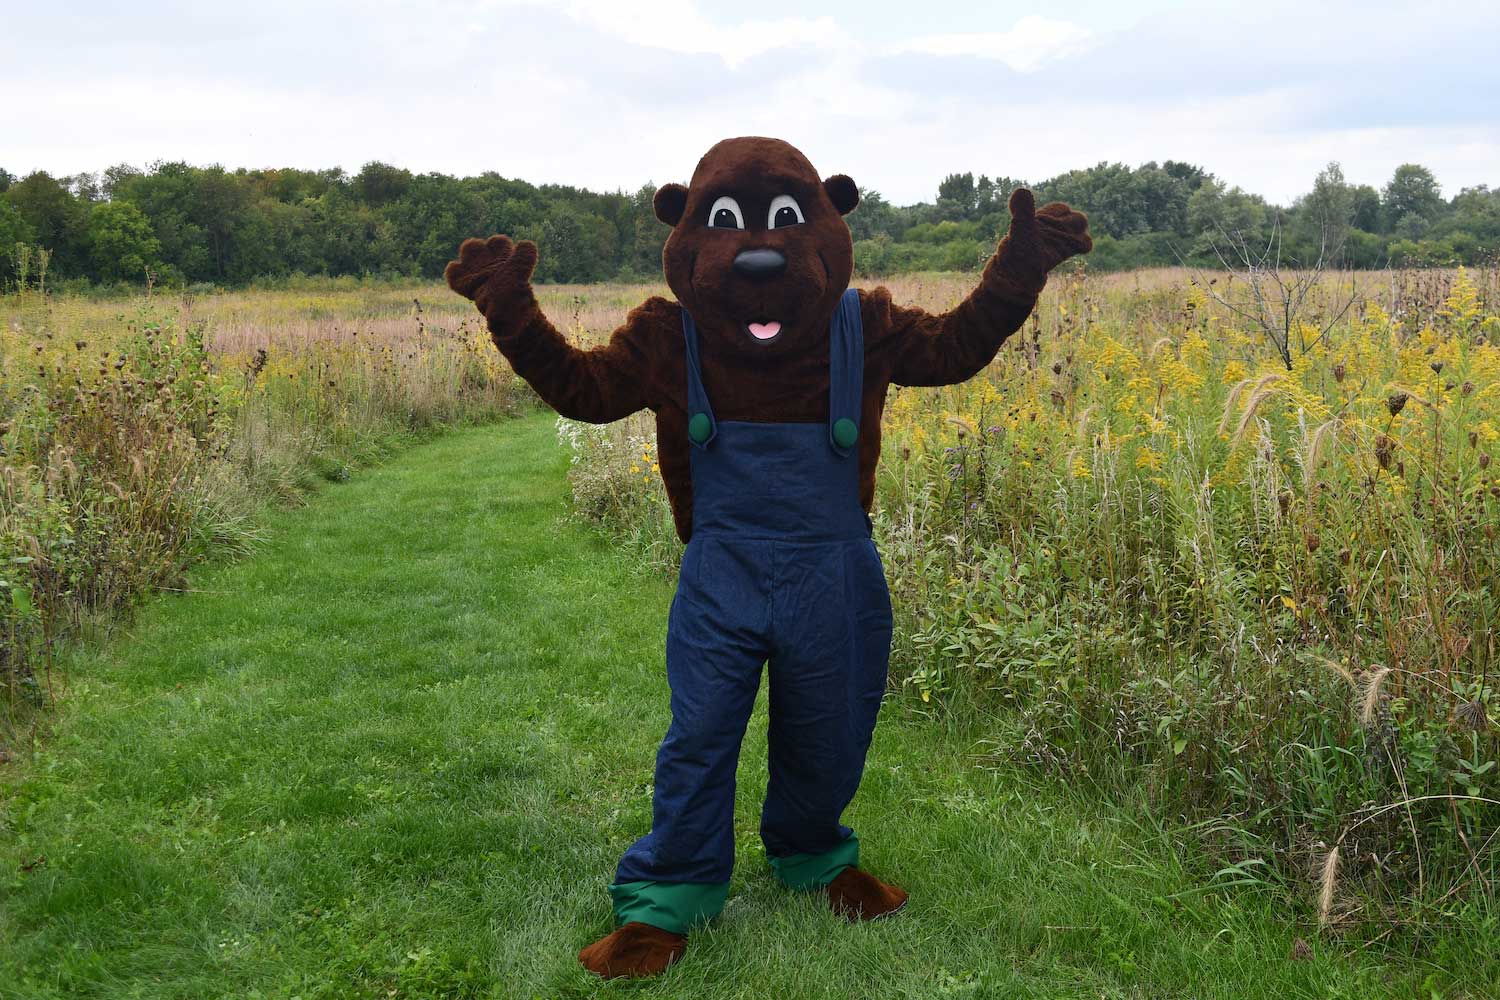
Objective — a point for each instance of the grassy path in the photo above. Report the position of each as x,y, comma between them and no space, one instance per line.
398,752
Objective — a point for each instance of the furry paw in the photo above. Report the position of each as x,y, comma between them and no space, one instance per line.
493,273
1041,239
635,950
857,895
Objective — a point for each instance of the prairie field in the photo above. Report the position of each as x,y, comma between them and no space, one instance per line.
1250,587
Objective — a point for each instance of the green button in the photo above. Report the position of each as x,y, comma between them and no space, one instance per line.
845,432
699,428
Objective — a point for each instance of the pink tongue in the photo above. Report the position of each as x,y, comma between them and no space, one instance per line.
765,331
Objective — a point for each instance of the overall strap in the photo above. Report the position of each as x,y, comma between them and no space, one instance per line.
702,428
846,373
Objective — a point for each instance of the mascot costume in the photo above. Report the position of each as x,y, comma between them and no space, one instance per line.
767,376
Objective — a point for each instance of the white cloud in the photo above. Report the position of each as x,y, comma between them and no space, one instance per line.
678,26
1033,40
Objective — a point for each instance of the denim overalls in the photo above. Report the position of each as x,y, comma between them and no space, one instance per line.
780,568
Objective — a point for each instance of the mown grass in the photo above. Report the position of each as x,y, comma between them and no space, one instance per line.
140,437
398,752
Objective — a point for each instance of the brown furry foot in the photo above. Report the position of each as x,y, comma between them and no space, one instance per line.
858,895
635,950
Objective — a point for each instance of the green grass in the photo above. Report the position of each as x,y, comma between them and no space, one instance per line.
398,752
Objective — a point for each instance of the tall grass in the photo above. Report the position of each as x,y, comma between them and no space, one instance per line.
138,437
1263,602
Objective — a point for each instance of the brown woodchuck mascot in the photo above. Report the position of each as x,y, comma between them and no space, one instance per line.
767,377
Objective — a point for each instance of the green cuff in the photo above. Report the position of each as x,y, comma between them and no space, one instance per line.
672,906
813,871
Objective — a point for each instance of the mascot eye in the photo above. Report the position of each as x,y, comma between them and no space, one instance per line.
784,212
725,214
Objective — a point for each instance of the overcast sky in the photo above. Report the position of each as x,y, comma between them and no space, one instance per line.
615,94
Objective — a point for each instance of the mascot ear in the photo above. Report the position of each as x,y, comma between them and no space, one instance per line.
669,202
842,192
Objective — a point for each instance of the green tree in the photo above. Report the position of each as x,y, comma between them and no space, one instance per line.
1413,190
379,183
85,186
117,176
428,223
1321,218
167,195
1332,199
642,237
872,257
1220,216
122,245
958,198
236,233
873,216
57,220
333,234
293,186
575,246
1411,226
1475,213
1121,201
13,231
1366,209
1216,206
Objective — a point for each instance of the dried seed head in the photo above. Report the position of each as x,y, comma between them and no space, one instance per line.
1473,715
1327,884
1467,388
1311,540
1344,556
1369,696
1284,501
1385,447
1058,399
1339,371
1484,461
1473,440
1396,402
1057,367
1437,367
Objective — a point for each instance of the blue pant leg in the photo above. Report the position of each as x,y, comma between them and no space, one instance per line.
716,644
828,674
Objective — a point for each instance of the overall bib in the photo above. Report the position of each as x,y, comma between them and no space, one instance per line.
780,569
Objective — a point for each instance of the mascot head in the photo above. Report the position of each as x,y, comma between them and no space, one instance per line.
759,253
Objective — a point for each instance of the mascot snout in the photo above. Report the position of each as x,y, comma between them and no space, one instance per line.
763,263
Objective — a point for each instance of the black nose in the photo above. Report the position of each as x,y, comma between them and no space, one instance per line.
760,263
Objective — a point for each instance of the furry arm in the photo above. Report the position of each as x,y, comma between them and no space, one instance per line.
952,347
597,386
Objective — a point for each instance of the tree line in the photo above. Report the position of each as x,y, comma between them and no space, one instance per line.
180,224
